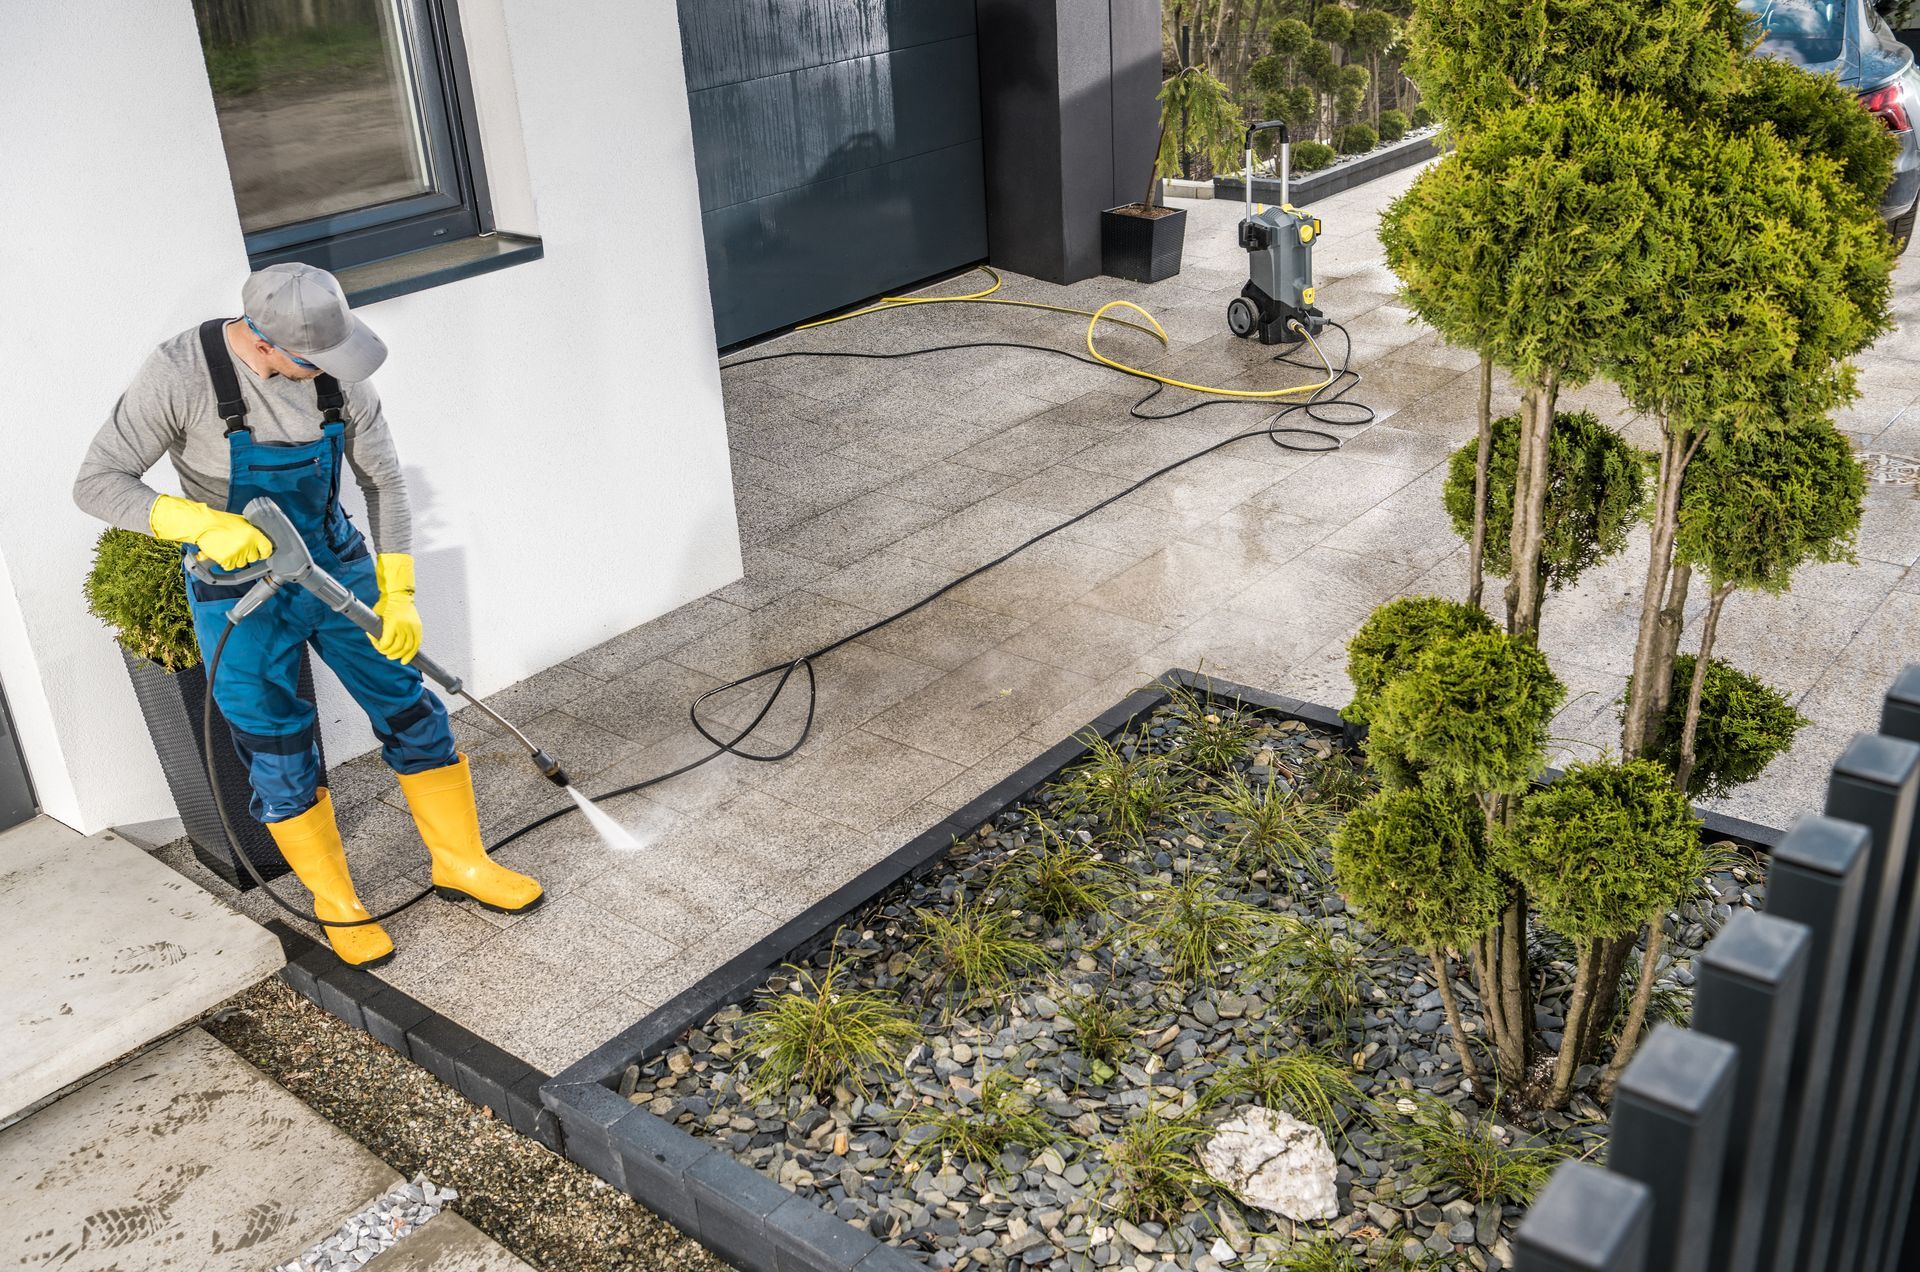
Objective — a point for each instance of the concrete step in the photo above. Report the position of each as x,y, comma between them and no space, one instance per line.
105,949
189,1157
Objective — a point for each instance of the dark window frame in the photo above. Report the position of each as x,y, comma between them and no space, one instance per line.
383,231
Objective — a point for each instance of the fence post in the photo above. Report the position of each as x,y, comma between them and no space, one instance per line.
1817,878
1670,1117
1585,1220
1752,977
1873,783
1894,1187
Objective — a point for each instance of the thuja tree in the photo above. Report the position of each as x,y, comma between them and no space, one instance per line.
1595,491
1528,244
1466,719
1739,724
1413,864
1603,852
1772,270
1753,510
1393,638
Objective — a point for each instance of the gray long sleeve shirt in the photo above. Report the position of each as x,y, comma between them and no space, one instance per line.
170,409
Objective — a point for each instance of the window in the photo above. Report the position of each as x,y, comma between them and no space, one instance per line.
346,126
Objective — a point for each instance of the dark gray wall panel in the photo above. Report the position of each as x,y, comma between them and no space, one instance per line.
793,255
837,145
16,792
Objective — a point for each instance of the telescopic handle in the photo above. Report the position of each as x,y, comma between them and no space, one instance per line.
369,622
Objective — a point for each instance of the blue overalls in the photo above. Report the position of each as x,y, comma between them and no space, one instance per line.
257,685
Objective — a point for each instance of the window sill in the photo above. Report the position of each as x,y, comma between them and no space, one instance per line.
434,266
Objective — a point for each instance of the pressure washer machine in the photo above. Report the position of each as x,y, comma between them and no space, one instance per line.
1279,244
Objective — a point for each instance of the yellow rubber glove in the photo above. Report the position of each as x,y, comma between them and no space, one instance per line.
400,631
226,538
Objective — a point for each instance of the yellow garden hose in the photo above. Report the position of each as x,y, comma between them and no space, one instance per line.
1094,318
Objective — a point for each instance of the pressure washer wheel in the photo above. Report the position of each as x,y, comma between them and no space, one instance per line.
1242,317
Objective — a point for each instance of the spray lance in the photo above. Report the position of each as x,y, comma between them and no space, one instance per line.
291,564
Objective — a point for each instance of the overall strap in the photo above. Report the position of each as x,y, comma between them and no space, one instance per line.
333,399
226,385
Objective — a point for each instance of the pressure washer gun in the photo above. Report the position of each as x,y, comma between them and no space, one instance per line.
291,564
1279,242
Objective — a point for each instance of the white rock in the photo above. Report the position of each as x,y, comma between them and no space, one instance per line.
1222,1253
1275,1162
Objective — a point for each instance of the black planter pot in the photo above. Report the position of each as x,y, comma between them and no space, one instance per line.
1144,249
172,702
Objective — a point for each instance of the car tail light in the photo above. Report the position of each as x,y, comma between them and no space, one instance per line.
1888,104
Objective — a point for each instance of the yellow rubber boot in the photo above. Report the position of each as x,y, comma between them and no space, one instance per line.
311,844
443,810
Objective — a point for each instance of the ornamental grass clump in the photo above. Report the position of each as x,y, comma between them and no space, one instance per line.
1268,826
999,1117
1059,878
1318,975
1603,853
1151,1167
1104,1032
980,948
1124,793
1209,737
1413,864
824,1032
1448,1150
1199,931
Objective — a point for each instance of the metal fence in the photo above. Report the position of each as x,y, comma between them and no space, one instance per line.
1782,1132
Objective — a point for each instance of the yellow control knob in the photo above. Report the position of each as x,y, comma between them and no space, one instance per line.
1306,232
1306,295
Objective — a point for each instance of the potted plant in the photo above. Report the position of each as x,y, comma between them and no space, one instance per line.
1142,241
136,588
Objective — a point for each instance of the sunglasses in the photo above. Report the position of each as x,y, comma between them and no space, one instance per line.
297,361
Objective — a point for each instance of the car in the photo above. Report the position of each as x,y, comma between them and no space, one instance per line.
1850,39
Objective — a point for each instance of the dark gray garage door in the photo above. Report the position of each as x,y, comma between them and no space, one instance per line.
838,147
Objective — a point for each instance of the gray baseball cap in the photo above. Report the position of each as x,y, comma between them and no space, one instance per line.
302,310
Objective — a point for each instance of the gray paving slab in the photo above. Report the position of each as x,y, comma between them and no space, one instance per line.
1255,564
186,1157
448,1243
105,949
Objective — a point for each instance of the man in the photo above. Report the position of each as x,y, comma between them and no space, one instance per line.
271,403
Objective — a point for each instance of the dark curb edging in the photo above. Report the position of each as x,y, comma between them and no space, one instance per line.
1331,181
743,1216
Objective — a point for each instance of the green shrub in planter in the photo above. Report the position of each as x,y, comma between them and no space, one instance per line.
1311,156
1395,635
1357,139
1393,125
1422,117
136,588
1744,724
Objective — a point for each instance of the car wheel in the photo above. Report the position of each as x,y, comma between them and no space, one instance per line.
1901,227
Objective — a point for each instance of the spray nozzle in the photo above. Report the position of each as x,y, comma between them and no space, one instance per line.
550,769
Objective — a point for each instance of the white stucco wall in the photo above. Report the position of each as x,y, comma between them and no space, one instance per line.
560,422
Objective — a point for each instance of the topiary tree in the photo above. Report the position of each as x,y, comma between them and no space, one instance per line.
1352,95
1333,24
1412,863
1357,139
1311,156
1374,31
1604,851
1815,116
1752,510
1596,490
1798,261
1393,125
1740,723
136,587
1528,243
1393,638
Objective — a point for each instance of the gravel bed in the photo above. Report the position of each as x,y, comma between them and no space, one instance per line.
857,1152
542,1207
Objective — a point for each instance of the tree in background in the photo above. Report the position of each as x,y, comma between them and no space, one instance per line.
1196,116
1374,31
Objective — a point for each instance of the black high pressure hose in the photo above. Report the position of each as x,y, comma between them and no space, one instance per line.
1330,395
